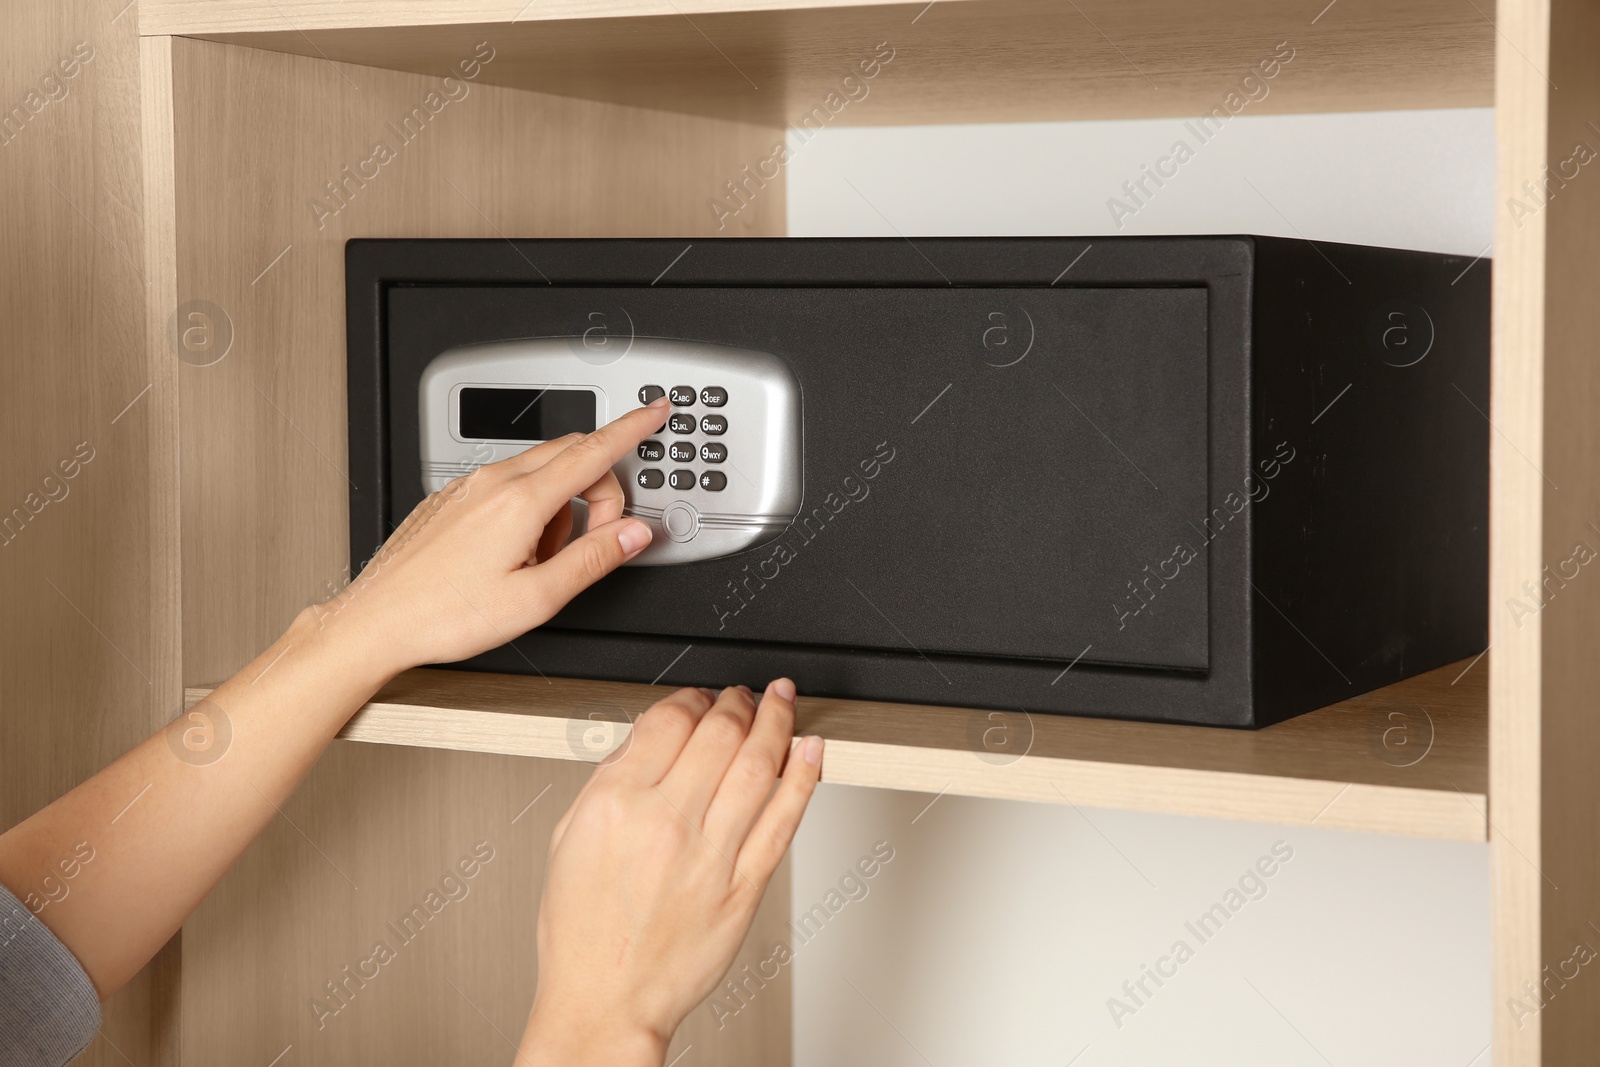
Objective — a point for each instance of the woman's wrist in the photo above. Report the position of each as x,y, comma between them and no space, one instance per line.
563,1038
365,655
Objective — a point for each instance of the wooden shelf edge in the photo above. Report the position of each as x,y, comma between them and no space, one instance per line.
544,725
188,18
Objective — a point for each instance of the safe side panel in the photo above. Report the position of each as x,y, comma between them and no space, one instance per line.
986,470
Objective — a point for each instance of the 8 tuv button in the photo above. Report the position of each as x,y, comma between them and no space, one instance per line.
682,452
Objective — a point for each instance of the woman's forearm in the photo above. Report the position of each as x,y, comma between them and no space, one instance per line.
114,867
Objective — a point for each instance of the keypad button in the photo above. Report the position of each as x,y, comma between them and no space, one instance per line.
647,393
713,396
713,451
650,478
681,422
682,395
651,451
713,424
682,452
714,481
681,479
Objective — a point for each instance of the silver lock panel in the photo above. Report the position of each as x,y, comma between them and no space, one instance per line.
722,476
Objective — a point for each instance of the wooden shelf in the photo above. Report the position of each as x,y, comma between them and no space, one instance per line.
953,61
1325,769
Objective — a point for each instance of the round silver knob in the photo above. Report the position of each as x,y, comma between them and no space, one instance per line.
680,520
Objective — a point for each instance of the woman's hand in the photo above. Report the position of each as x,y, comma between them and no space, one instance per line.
657,869
481,562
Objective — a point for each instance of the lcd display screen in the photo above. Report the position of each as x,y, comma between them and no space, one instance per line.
525,414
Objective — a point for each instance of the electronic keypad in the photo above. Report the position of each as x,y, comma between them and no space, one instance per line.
723,475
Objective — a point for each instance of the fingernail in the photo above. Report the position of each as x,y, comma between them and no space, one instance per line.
784,688
711,694
813,750
659,402
633,537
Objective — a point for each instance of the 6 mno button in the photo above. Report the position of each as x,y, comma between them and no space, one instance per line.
680,520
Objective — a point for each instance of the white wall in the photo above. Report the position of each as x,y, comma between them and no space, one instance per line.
1000,930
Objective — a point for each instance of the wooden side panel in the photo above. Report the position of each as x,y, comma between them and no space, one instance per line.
1545,607
1569,726
1516,495
88,624
264,204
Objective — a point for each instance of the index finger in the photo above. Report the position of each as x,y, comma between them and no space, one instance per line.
584,462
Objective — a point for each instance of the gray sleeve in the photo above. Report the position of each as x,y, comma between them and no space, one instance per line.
49,1011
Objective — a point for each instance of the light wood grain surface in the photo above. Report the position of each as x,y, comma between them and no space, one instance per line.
1545,464
88,607
1409,759
967,61
254,136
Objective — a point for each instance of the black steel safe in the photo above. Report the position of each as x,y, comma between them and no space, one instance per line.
1218,480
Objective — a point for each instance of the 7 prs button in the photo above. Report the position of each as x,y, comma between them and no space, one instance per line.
651,451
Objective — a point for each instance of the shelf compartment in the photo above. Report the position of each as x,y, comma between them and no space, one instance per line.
1327,769
953,61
